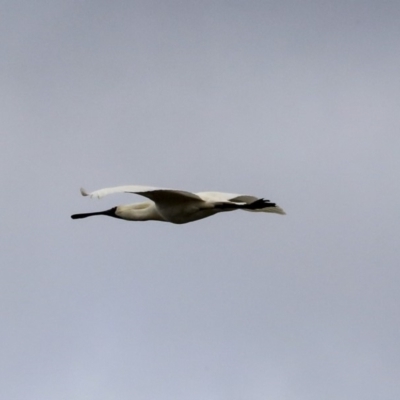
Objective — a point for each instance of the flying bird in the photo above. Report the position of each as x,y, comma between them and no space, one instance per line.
177,206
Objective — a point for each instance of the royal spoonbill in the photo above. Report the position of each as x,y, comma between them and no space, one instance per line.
177,206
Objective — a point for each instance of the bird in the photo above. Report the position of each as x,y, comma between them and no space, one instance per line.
177,206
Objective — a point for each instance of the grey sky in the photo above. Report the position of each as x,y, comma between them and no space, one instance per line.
293,101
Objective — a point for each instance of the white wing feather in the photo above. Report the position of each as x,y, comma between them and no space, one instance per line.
158,195
118,189
230,197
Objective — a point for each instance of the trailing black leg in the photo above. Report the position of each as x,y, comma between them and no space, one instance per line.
259,204
255,205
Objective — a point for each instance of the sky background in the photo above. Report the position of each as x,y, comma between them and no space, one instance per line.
294,101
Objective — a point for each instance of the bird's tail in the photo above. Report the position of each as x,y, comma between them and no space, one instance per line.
260,205
263,205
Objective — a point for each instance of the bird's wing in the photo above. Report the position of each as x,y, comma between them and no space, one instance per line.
118,189
227,197
168,196
240,199
156,194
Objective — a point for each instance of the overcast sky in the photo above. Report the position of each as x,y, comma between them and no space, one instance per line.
294,101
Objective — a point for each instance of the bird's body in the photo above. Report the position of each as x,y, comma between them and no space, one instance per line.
177,206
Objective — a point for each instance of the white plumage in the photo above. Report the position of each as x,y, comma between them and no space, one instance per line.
177,206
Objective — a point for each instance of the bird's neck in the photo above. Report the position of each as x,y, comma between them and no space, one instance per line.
139,212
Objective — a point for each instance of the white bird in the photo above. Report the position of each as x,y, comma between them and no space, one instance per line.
177,206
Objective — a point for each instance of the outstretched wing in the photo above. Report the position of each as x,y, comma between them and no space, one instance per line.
117,189
158,195
169,196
